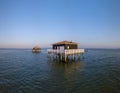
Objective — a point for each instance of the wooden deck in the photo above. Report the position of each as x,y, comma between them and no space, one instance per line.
64,54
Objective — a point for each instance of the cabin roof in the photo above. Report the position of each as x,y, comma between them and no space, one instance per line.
65,43
36,47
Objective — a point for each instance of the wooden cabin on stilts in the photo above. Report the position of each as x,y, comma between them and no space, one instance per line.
64,49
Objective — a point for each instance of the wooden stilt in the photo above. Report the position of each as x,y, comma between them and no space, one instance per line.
79,56
82,56
65,58
73,57
61,56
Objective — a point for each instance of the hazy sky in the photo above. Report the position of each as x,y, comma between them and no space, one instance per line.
92,23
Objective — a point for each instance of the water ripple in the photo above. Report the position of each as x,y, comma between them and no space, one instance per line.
22,71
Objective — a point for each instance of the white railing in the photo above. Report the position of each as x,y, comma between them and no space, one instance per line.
66,51
74,51
55,51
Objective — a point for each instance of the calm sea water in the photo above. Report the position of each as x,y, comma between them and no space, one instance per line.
22,71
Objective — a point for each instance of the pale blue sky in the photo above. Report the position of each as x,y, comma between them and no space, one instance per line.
92,23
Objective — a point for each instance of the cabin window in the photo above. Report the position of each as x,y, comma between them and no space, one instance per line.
67,47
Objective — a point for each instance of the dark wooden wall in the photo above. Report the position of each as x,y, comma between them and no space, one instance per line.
71,46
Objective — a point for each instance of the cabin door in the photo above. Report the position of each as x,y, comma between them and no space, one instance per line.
62,48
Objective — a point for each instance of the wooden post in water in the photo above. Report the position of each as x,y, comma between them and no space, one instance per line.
78,56
65,58
82,56
55,56
73,57
61,56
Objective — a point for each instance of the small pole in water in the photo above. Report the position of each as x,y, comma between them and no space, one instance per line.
79,56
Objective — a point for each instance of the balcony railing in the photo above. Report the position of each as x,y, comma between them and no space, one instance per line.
66,51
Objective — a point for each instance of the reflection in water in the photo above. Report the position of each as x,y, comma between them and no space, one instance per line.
4,87
63,76
67,67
